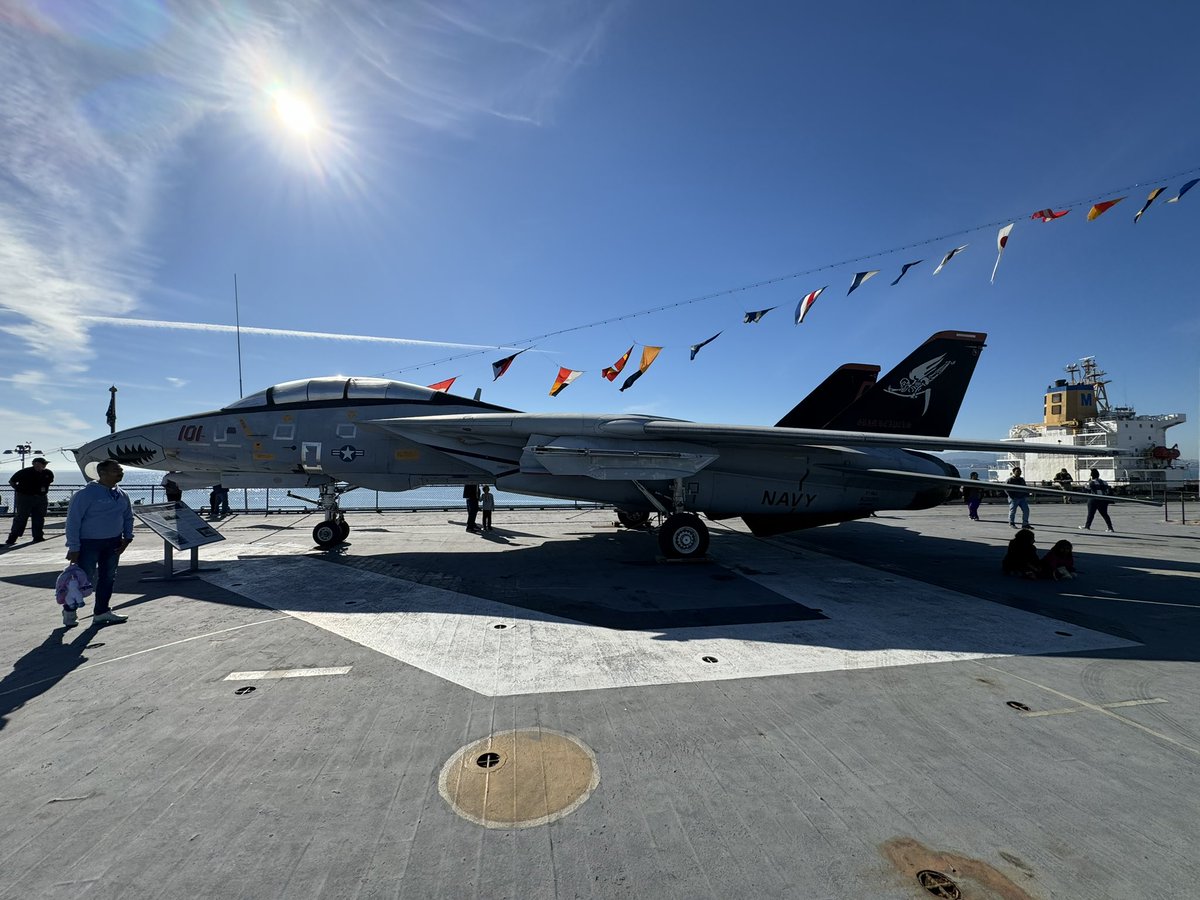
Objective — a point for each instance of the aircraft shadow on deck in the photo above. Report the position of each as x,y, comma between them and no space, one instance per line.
1111,595
612,580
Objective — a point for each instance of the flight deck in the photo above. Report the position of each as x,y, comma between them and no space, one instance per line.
550,709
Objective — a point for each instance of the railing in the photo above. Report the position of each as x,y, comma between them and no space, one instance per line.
1182,497
275,500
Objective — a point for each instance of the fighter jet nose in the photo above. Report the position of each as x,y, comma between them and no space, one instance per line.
127,448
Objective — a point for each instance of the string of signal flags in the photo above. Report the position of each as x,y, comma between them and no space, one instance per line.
650,353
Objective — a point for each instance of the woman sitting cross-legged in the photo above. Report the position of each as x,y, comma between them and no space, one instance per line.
1022,556
1059,562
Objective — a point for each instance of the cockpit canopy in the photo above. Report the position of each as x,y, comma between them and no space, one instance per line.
334,387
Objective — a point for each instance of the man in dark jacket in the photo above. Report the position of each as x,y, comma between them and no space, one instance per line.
31,488
471,495
1017,499
1098,502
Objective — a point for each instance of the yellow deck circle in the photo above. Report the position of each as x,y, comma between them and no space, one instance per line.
519,778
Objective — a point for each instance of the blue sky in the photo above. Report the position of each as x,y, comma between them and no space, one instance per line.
472,175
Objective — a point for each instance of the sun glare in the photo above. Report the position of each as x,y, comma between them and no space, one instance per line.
295,112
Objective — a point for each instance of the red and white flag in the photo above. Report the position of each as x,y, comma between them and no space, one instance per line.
806,304
1049,215
1001,243
443,385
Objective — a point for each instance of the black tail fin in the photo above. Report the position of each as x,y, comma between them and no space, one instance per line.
922,395
831,396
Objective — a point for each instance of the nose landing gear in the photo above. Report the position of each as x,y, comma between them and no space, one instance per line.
334,530
331,532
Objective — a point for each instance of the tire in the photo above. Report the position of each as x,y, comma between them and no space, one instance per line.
327,534
683,536
636,520
344,527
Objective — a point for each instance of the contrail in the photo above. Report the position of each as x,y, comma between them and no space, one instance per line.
282,332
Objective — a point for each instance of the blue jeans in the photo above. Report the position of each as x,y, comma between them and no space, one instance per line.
98,557
1015,503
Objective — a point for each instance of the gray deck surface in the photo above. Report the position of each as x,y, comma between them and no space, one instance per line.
852,731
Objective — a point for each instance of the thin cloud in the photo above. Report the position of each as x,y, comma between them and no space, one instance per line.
98,100
282,333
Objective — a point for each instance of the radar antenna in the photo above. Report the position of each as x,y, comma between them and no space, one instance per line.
1094,375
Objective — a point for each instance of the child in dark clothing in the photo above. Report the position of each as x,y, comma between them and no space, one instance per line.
1059,562
1022,556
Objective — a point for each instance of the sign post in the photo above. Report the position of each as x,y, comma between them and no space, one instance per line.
181,528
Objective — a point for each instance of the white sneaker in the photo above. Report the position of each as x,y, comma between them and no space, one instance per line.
109,618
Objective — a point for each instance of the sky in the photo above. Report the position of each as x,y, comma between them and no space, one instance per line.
416,190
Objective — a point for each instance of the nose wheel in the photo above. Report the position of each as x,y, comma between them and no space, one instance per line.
330,533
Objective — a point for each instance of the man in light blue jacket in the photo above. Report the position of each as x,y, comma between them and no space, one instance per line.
99,528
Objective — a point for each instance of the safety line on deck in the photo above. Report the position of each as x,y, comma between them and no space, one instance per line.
1097,708
1074,709
287,673
103,662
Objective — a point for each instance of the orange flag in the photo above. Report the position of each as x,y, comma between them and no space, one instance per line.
443,385
1101,208
649,354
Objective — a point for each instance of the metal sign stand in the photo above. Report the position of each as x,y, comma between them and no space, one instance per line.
179,527
169,572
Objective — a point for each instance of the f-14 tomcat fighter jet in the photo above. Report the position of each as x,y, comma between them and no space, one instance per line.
851,447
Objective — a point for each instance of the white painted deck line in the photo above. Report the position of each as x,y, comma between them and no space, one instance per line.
875,620
287,673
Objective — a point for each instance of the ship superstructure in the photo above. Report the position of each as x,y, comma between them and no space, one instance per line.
1076,411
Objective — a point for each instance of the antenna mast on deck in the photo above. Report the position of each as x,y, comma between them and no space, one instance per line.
237,318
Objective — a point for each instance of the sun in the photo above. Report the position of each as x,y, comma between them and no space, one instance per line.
295,112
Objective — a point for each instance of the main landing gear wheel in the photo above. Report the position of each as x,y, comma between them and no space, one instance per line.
683,536
344,527
330,533
636,520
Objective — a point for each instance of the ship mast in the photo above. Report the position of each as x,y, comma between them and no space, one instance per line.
1087,372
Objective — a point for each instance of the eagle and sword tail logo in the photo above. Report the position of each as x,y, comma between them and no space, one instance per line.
918,382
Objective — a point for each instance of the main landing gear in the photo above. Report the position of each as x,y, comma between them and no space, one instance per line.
334,530
682,535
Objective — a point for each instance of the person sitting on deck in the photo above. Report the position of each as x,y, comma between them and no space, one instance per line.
1064,481
1059,562
1022,556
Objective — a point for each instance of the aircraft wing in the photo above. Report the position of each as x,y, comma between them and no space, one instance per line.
481,427
1001,486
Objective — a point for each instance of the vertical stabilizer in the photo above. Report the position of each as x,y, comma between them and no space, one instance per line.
831,396
923,394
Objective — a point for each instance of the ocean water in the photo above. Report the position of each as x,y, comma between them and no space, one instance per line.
144,487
